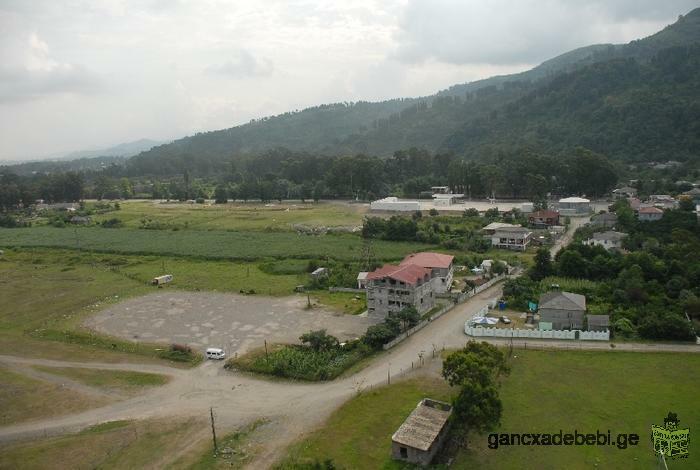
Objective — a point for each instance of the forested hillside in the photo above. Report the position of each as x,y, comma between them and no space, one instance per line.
632,102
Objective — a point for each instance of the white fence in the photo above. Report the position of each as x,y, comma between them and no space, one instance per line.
346,289
536,334
456,301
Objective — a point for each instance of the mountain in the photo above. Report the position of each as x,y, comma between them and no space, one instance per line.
127,149
574,99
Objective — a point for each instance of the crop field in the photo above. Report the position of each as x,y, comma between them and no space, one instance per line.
546,391
205,244
239,216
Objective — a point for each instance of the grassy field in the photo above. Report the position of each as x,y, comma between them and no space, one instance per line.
238,449
358,435
127,382
545,392
216,244
23,398
346,302
115,445
239,216
590,391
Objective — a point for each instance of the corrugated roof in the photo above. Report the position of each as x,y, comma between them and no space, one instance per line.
429,260
545,214
563,301
498,225
423,425
408,273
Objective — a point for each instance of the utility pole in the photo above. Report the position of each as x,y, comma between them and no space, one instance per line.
267,359
213,430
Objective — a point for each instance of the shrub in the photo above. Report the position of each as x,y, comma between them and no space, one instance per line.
112,223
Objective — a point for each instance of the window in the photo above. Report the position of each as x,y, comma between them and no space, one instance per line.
404,452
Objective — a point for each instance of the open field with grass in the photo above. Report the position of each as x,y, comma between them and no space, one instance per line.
358,434
239,216
589,391
124,382
545,392
346,302
117,444
235,450
217,244
23,398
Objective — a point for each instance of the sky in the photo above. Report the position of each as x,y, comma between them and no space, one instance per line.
89,74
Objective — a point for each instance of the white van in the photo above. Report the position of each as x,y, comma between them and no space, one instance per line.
215,353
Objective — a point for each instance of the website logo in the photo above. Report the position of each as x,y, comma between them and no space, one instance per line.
669,440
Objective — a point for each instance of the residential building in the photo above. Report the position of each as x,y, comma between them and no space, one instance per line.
392,288
663,201
694,195
564,310
649,214
491,228
604,220
511,238
597,322
420,437
441,268
574,206
624,192
635,203
609,240
543,219
319,273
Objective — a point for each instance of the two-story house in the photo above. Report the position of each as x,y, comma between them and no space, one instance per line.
543,218
511,238
564,310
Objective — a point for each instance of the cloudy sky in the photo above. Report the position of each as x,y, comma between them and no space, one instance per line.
85,74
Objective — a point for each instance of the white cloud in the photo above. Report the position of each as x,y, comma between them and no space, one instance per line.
523,31
242,64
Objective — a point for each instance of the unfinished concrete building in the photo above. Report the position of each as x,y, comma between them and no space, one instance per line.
393,288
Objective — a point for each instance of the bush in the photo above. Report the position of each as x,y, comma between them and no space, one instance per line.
433,212
666,326
112,223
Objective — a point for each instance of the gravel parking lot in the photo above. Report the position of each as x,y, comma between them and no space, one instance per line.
233,322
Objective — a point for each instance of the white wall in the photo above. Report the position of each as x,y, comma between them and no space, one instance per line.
535,334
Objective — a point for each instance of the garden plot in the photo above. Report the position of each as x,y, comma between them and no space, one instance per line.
233,322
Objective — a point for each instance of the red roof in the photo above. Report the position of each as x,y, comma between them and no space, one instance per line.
428,260
408,273
650,210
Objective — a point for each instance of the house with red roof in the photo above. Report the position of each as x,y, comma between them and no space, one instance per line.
441,267
392,288
649,214
543,218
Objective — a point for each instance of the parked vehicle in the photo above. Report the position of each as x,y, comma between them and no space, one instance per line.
215,353
505,320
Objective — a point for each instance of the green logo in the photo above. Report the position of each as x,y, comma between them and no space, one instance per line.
670,441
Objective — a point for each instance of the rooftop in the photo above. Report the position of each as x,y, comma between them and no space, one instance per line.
428,260
408,273
563,301
609,235
605,216
650,210
574,199
498,225
423,425
545,214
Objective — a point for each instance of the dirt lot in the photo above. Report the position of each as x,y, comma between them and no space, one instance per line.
233,322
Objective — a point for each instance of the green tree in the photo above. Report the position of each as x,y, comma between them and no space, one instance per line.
221,194
319,340
543,265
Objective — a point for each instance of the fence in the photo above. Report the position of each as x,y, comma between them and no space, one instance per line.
537,334
346,289
456,301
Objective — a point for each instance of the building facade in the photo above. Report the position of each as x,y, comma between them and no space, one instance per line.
543,219
511,238
422,434
609,240
574,206
564,310
393,288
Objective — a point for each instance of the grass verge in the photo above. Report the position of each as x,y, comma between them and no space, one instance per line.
113,380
